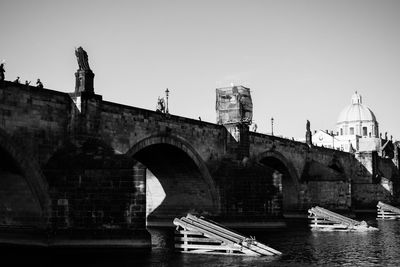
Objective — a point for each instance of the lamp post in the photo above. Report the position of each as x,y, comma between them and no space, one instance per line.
272,126
167,94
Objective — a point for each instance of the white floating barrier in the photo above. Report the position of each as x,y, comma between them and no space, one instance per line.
324,220
387,212
198,235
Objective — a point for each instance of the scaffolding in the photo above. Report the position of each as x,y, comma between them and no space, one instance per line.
234,105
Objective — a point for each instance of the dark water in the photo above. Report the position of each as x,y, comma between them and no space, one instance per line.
299,245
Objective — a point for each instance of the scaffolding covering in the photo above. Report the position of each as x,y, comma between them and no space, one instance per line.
234,105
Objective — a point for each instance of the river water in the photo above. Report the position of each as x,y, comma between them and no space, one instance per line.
299,246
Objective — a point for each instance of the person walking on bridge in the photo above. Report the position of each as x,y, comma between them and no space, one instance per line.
2,70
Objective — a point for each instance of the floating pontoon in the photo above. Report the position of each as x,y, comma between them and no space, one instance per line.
325,220
387,212
198,235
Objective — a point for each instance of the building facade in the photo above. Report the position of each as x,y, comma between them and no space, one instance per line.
357,129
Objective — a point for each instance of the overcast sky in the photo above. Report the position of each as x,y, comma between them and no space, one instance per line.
301,59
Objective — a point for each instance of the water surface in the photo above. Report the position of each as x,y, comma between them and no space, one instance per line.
299,245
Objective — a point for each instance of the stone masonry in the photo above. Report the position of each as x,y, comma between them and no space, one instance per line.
77,165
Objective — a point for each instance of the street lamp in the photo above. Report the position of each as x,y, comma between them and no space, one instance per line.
272,126
167,94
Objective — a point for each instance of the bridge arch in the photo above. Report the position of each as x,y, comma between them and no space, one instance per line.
181,172
288,177
21,175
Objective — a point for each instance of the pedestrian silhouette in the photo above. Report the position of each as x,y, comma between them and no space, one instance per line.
2,70
17,80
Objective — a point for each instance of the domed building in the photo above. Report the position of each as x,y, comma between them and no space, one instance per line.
357,119
356,129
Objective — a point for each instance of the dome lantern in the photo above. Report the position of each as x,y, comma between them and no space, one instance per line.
356,99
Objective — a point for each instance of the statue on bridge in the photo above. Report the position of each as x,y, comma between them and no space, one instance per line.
160,105
255,127
82,58
39,84
84,76
308,134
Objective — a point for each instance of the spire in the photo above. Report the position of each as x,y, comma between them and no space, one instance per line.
356,98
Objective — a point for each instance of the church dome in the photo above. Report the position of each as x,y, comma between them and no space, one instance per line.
356,111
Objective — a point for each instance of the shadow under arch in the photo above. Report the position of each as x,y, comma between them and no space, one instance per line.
182,145
290,179
30,171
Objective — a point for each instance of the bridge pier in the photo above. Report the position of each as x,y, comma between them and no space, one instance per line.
98,197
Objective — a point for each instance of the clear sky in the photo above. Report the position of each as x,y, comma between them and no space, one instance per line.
301,59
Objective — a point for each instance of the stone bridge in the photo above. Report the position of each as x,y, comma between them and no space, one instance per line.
73,169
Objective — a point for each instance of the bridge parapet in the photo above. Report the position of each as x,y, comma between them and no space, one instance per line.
124,126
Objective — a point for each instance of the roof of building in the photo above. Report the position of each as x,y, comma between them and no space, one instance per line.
356,111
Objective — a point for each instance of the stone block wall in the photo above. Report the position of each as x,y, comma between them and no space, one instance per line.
137,208
333,195
36,119
366,167
92,188
248,190
366,196
123,127
18,206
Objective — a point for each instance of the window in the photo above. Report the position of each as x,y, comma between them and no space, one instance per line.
365,131
351,130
